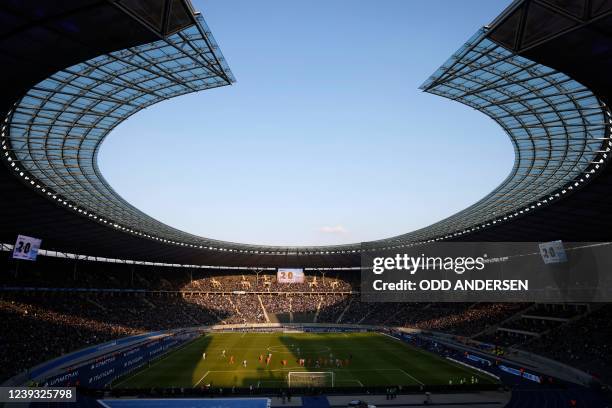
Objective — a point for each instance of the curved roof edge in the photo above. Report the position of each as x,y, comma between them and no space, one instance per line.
51,136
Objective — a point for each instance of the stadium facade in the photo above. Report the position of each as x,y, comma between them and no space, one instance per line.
75,70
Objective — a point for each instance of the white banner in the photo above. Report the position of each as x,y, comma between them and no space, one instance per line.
553,252
290,275
26,248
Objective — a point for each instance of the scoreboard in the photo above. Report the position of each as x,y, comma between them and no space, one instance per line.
290,275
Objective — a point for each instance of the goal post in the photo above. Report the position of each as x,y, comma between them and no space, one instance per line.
310,379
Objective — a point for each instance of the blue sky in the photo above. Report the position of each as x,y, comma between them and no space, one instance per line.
325,138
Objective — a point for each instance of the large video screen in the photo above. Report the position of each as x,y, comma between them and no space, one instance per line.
290,275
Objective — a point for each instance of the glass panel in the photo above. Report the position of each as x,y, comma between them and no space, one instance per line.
555,124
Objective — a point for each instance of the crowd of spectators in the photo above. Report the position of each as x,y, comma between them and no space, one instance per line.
266,282
33,333
532,324
559,311
465,319
579,339
332,307
43,325
304,307
583,343
360,312
277,304
228,309
53,273
502,338
472,319
248,309
58,273
292,307
37,328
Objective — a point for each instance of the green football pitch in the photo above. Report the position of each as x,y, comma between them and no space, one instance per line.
368,359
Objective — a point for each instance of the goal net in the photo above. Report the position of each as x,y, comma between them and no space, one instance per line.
306,379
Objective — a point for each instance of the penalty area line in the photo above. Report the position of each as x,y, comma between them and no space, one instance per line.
395,369
200,380
350,380
142,368
414,378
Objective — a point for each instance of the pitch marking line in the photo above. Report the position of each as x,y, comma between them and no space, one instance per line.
306,372
349,380
285,382
142,370
256,370
418,349
414,378
204,376
353,349
390,369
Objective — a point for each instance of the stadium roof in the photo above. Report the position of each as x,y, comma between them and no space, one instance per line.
99,62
